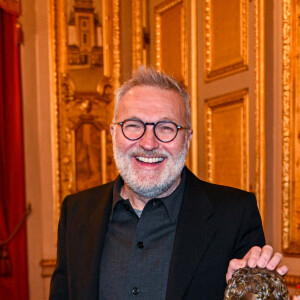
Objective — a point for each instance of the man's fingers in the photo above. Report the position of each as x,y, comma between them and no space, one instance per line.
234,265
274,261
258,257
282,270
253,256
266,258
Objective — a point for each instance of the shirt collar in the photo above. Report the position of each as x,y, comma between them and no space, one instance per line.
171,202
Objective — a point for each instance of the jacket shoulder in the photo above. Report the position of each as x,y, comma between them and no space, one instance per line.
92,191
216,192
89,198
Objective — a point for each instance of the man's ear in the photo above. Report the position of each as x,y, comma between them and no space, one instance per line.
190,135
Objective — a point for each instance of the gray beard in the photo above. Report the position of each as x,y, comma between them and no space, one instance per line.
140,182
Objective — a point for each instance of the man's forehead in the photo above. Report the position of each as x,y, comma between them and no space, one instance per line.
146,94
151,104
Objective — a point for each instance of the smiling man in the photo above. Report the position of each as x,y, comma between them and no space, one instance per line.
157,231
153,153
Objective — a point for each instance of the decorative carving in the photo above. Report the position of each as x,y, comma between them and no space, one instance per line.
237,51
286,98
290,120
88,110
116,61
292,280
85,55
230,112
193,85
260,107
137,33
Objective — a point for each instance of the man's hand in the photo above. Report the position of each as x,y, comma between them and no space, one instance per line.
258,257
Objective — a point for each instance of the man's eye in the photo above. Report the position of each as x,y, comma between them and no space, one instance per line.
133,126
167,128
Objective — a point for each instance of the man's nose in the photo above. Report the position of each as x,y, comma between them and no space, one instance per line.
149,141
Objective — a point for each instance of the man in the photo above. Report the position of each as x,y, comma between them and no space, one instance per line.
157,232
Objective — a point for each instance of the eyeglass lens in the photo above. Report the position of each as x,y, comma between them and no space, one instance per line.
134,129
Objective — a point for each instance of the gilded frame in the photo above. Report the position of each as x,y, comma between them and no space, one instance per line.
260,151
62,95
221,101
289,46
139,56
210,72
159,10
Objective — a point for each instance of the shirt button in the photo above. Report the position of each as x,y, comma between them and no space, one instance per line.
127,207
140,245
135,291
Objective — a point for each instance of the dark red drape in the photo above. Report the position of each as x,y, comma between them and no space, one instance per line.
14,284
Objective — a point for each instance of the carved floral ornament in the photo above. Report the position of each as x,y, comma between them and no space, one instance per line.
85,41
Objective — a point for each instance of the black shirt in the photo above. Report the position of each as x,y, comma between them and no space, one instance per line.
137,251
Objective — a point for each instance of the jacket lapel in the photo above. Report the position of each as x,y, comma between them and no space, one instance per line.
194,233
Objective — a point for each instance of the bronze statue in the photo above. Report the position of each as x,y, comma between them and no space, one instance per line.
256,284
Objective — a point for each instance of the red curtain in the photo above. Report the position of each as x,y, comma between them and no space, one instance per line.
13,263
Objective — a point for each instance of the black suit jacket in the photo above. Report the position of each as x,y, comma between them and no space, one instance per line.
215,224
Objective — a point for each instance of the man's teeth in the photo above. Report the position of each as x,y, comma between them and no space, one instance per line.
150,159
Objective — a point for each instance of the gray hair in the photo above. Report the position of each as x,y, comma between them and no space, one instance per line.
148,76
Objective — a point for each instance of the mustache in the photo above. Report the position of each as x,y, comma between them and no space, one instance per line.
144,152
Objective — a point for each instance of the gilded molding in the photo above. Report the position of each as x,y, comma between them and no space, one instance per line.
106,49
54,21
47,266
260,107
159,10
219,101
194,89
212,73
137,33
292,280
287,126
116,45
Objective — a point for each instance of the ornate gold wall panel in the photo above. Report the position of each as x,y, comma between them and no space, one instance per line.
260,155
226,37
85,55
227,139
290,128
138,29
170,34
193,87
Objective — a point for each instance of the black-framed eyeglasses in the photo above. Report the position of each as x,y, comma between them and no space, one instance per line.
165,131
